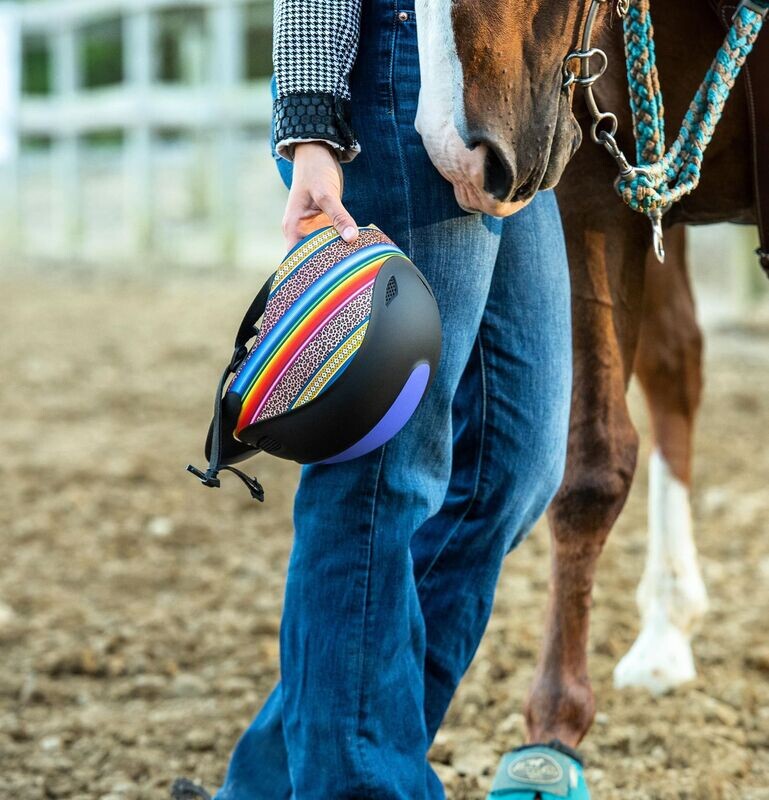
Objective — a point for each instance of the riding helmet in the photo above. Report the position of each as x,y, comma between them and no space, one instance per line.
349,342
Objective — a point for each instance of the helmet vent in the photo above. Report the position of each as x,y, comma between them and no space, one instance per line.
392,290
268,444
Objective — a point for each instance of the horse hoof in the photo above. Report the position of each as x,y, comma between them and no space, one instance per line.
547,771
660,660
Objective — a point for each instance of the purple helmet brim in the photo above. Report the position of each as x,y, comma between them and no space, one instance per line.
397,416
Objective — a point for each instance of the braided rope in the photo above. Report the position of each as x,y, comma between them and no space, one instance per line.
645,94
669,176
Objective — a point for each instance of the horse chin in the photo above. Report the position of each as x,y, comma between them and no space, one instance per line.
474,200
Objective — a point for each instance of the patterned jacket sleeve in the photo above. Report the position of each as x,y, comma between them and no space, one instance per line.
314,48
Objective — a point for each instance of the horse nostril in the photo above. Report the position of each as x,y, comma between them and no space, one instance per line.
497,177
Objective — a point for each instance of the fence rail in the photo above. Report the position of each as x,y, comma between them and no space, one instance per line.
156,107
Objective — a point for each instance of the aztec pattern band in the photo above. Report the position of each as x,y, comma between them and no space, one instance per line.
315,322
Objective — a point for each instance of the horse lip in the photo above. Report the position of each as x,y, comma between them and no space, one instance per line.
529,187
551,176
556,165
542,177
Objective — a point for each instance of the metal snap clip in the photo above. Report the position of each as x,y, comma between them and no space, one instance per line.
403,16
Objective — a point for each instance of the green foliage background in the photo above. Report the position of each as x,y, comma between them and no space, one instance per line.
100,49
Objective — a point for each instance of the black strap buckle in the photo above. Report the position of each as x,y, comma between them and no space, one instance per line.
206,478
239,355
210,478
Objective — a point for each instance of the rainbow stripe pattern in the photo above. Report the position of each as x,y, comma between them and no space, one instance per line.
315,321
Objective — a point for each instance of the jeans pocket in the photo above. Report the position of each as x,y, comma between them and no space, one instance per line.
404,73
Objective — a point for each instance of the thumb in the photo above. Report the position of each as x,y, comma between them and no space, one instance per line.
340,217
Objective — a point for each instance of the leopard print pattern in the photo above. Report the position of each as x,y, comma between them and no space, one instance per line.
332,366
319,350
297,282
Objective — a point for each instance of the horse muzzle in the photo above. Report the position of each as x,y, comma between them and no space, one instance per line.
498,167
486,176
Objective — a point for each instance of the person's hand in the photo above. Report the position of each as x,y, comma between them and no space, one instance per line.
315,198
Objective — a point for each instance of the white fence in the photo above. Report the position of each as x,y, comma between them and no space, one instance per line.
186,174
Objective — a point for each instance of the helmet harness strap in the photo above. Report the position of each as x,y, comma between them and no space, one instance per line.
246,331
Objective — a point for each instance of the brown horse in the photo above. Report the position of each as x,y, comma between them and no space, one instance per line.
497,123
616,330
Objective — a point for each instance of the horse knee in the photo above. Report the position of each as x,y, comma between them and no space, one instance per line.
594,491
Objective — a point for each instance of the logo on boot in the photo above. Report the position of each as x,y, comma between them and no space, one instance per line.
540,769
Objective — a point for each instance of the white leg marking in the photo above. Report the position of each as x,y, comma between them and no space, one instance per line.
671,596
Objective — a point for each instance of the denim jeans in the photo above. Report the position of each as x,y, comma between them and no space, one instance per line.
397,554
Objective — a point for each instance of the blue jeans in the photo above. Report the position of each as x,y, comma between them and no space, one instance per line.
397,554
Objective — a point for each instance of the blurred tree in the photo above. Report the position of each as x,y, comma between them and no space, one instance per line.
36,65
101,53
258,45
181,49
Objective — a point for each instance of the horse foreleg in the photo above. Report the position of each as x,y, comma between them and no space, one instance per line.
671,595
607,281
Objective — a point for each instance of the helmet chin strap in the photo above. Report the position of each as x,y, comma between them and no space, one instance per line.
210,477
246,331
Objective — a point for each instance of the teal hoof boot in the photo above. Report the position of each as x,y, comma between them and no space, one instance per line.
550,771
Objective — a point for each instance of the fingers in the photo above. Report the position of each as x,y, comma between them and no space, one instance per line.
315,199
293,227
304,215
331,205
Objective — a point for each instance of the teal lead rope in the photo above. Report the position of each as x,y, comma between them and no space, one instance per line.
662,178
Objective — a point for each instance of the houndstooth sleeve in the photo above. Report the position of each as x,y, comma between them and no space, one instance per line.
314,48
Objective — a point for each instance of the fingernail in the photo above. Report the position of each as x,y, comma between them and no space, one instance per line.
349,234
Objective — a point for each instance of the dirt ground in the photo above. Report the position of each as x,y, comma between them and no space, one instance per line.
139,613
